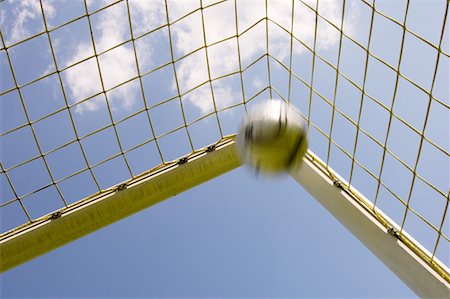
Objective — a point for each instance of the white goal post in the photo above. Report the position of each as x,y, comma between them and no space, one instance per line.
401,254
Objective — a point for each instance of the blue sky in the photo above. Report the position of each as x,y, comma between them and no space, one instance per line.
238,235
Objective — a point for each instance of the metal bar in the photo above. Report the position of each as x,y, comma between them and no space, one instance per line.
63,227
428,279
425,278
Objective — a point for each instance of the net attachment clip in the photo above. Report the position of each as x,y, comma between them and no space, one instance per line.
210,148
182,161
121,187
55,215
393,232
338,183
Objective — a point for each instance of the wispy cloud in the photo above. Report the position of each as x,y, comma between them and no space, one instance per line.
25,19
220,24
118,65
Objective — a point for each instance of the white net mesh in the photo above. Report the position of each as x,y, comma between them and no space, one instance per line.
94,93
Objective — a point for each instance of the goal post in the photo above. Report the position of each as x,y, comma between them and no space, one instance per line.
84,217
110,106
404,256
400,253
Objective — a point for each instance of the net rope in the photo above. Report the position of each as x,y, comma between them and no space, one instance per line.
329,147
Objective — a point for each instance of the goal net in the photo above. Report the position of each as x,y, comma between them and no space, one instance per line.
102,99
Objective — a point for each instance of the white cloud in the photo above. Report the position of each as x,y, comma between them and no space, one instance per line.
146,15
179,8
112,26
25,18
118,65
221,18
23,13
83,81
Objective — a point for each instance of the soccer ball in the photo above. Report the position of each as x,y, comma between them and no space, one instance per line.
273,138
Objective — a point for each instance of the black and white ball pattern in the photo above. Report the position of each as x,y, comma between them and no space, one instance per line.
273,138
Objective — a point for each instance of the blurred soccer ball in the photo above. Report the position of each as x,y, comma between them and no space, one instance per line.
273,138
